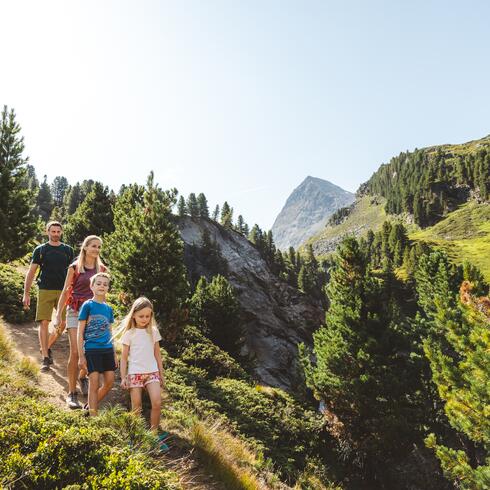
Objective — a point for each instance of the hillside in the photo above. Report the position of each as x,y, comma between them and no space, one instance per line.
366,213
464,235
430,183
275,316
307,210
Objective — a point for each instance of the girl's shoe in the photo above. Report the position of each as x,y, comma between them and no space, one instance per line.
163,448
163,436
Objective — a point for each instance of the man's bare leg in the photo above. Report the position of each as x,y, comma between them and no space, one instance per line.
43,337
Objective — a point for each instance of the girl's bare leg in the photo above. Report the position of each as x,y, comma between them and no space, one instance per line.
156,404
135,394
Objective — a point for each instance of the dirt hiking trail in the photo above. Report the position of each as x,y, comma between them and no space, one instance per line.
54,384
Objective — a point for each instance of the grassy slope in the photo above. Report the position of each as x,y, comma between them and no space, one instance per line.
464,235
368,214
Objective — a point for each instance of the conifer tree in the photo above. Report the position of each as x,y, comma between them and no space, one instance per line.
226,216
44,204
72,199
192,206
59,187
17,219
363,371
463,378
214,308
216,213
182,207
145,250
31,179
93,217
202,204
240,225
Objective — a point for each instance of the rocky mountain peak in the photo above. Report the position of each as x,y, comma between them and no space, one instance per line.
307,210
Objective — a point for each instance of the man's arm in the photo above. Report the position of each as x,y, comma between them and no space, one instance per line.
31,273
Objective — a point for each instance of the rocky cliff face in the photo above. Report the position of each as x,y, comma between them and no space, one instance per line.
307,211
276,317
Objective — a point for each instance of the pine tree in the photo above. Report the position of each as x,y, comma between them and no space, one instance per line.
58,190
202,204
463,379
31,180
182,207
240,225
227,216
192,206
363,372
17,219
44,204
216,213
72,199
214,308
93,217
145,250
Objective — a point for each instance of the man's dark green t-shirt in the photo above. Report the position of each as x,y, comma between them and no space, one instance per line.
53,262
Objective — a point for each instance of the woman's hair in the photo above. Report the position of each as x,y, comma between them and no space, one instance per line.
128,321
80,262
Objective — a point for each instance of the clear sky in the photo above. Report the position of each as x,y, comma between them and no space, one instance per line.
243,99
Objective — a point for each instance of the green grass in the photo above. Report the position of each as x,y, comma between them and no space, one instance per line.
463,235
368,214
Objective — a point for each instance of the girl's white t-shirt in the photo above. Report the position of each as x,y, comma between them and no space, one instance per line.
141,350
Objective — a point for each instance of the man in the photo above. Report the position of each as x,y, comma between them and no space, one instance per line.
52,259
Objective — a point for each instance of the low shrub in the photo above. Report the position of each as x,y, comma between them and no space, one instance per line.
195,349
11,291
44,447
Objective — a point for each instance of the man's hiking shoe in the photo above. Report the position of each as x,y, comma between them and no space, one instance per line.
84,385
86,412
72,401
45,364
50,355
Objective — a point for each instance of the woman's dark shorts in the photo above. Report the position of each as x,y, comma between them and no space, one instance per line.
100,360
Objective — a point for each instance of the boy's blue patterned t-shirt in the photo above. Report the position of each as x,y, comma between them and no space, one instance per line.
99,317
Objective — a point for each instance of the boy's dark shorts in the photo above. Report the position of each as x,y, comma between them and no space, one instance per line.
100,360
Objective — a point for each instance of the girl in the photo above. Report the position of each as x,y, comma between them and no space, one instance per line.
75,292
141,363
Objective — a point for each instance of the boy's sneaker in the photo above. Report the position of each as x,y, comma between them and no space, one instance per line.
45,364
72,401
84,385
50,356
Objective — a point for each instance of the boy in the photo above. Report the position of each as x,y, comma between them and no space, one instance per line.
96,352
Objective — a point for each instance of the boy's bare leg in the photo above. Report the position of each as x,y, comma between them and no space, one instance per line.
107,385
93,389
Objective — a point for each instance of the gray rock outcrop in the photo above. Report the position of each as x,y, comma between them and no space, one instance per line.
275,316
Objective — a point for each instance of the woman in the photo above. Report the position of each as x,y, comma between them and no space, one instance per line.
75,292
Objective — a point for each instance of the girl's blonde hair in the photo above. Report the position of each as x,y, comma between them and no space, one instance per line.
128,322
80,262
